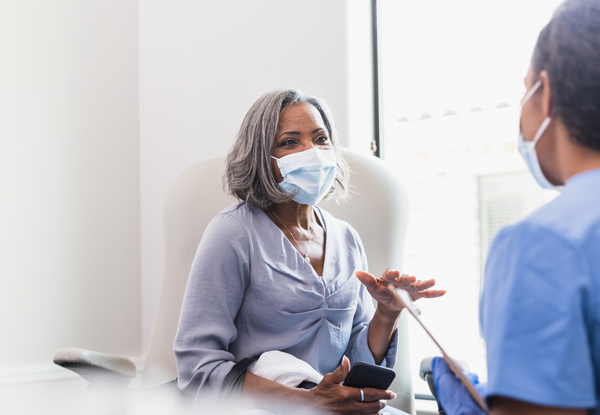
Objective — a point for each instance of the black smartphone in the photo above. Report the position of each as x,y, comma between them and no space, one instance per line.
364,375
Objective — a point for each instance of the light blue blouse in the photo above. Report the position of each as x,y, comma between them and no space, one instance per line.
250,291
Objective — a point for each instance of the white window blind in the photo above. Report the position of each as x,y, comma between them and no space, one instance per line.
504,199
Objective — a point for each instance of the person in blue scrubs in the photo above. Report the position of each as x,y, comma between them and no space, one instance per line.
540,308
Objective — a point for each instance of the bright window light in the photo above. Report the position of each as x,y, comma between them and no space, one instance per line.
451,81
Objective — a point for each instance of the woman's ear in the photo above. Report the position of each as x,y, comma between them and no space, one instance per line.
547,108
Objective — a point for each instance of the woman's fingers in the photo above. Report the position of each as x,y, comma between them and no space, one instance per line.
340,373
431,293
404,280
416,288
372,407
420,289
423,285
368,280
375,395
390,275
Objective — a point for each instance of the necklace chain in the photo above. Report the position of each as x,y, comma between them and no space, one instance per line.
312,234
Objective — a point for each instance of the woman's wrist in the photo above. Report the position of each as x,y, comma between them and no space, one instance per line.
387,313
290,397
272,396
381,331
304,397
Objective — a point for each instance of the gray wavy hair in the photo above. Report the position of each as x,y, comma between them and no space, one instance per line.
249,176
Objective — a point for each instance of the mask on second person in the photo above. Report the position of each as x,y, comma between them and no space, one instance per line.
527,148
311,173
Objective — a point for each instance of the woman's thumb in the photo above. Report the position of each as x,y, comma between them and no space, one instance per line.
368,280
339,375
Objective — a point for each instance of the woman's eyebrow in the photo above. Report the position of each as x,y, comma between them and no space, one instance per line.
298,132
289,132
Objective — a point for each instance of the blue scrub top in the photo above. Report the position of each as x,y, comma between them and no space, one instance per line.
540,309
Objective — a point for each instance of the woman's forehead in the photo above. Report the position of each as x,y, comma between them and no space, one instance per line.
298,115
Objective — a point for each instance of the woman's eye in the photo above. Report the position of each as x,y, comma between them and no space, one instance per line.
288,143
323,139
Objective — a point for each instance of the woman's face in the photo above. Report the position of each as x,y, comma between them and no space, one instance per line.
300,128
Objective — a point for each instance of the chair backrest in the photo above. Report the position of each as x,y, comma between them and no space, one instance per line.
378,210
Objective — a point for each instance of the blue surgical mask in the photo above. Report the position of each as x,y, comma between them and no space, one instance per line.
310,173
527,148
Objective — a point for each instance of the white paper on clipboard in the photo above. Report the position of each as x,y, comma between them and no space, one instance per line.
404,298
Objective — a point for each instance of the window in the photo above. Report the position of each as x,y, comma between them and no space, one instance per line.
451,78
505,198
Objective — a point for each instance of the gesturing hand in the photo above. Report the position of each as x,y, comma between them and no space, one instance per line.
378,287
330,397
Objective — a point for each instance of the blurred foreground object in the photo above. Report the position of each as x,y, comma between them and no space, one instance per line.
97,367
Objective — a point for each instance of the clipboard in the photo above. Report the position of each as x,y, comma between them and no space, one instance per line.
404,299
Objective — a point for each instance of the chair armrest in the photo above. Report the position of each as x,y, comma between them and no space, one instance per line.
96,367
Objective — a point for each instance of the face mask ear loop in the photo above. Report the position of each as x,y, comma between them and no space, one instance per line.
543,127
541,130
528,96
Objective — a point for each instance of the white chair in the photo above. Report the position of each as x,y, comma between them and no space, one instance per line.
378,210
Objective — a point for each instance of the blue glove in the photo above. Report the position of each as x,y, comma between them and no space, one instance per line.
453,395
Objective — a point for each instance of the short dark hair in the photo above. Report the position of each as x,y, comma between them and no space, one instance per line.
568,48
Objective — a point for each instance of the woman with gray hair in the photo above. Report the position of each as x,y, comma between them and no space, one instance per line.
276,273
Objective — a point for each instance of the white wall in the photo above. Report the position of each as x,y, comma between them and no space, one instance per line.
204,63
102,105
69,179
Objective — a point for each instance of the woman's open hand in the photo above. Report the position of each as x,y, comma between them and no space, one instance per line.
330,397
415,288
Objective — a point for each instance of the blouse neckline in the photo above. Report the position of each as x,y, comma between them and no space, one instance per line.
319,215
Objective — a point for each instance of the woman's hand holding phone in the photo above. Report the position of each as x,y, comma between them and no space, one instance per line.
331,397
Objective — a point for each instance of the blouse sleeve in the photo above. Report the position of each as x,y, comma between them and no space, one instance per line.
358,347
218,278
